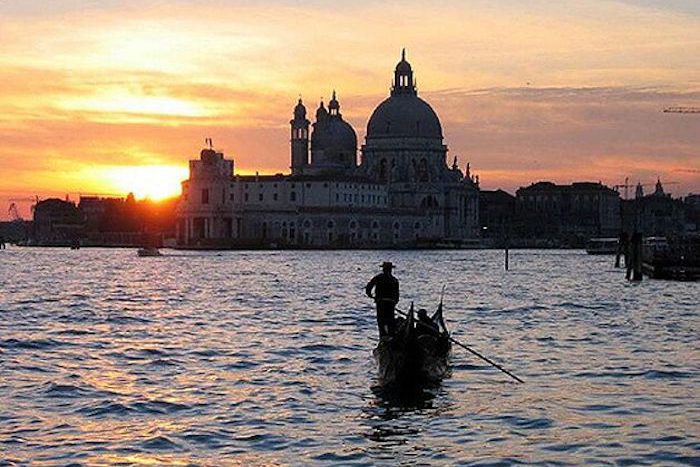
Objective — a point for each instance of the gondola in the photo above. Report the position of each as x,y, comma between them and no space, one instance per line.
148,251
416,354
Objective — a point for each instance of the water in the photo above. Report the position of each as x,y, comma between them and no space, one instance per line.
265,358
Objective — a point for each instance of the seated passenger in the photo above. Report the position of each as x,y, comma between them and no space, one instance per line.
425,325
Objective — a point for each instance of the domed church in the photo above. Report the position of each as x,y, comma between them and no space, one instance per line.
401,194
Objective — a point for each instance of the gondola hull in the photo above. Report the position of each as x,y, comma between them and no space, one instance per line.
413,356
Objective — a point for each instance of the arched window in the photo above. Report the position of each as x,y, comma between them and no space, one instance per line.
429,202
382,170
422,172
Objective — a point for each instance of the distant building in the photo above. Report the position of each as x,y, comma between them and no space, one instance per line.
111,221
657,214
692,212
14,231
496,214
568,212
402,193
56,223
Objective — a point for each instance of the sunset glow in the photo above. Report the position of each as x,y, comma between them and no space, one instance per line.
155,182
525,90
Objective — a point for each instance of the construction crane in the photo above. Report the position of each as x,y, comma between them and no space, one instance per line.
682,110
14,213
627,186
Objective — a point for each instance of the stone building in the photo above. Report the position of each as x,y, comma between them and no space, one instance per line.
571,213
56,223
656,214
402,193
497,216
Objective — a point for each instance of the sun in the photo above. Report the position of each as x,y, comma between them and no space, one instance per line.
155,182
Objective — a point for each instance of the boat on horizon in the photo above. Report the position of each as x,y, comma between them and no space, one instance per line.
149,251
675,257
602,246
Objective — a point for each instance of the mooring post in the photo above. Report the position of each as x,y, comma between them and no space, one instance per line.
506,253
621,248
637,256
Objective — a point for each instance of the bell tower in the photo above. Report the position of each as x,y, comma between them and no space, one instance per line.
299,139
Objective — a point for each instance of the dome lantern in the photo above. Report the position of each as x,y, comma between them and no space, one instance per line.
299,111
334,106
403,77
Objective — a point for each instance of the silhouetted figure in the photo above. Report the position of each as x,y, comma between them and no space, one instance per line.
426,325
386,296
2,243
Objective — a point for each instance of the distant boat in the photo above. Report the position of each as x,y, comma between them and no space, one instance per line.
149,251
676,258
602,246
417,354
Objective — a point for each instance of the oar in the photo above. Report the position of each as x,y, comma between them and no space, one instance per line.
469,349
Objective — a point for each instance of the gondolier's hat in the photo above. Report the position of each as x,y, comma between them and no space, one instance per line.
387,264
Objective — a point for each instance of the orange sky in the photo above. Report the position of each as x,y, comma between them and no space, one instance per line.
110,97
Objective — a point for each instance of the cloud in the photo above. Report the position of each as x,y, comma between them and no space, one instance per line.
604,133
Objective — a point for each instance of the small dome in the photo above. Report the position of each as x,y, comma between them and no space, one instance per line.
404,116
334,105
403,66
334,134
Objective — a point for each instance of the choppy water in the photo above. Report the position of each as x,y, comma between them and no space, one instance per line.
265,358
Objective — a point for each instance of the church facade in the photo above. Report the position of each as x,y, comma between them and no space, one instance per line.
402,193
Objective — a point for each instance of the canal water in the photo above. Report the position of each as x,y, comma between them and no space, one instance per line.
264,358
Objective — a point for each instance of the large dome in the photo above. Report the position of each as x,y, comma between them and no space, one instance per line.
404,115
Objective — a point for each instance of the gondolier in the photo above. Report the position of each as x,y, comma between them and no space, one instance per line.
386,296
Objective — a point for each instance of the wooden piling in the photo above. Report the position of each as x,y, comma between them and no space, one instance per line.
634,266
622,246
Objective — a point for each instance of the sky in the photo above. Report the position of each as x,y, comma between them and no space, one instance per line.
108,97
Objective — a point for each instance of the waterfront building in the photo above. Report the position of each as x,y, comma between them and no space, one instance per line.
402,192
656,214
497,216
568,212
692,212
56,223
111,221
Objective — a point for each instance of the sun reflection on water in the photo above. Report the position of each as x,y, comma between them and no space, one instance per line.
256,359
